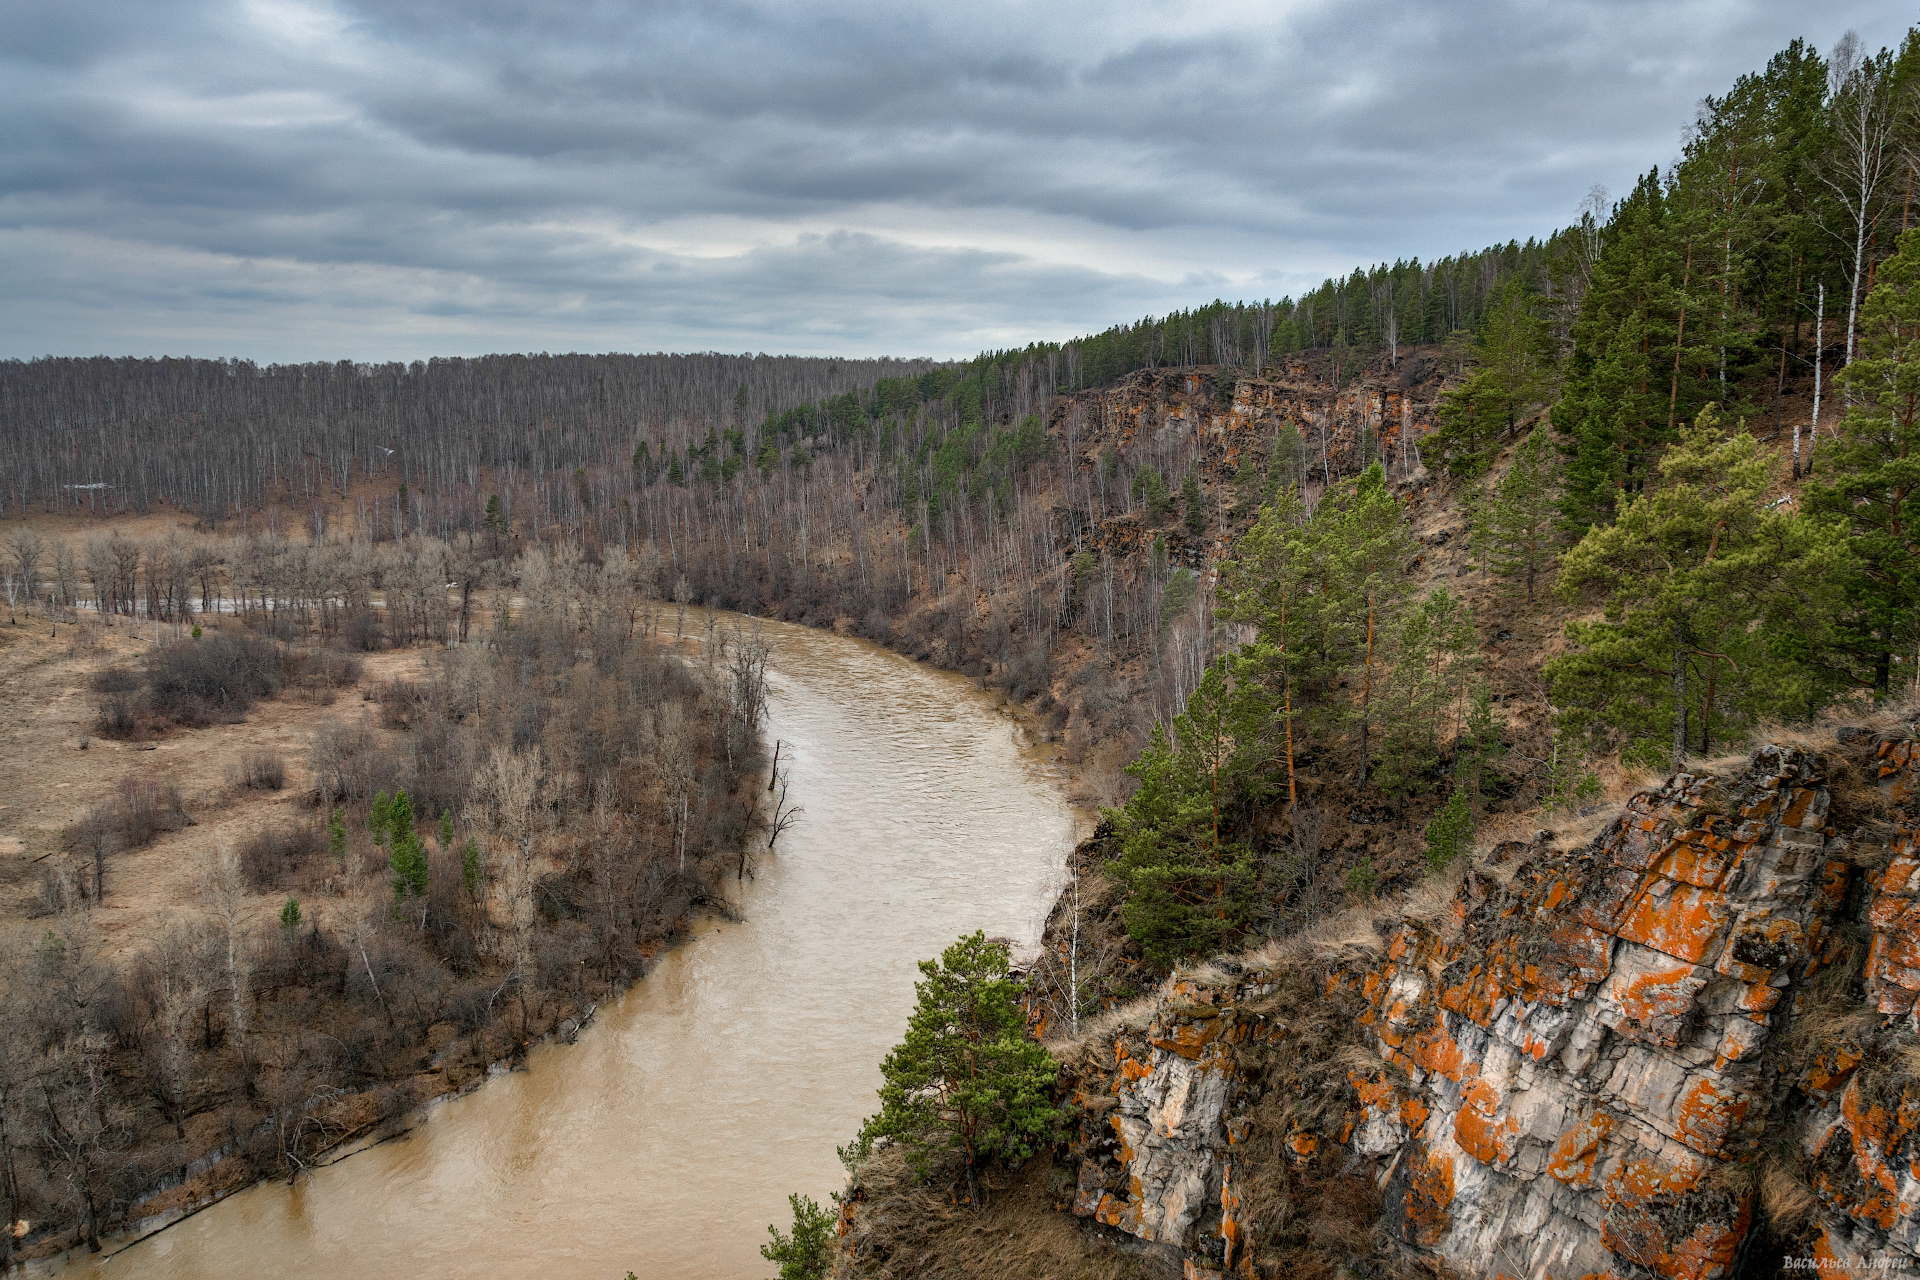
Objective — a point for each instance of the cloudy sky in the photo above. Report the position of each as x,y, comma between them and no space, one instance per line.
318,179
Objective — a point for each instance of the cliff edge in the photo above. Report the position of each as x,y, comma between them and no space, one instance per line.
1684,1048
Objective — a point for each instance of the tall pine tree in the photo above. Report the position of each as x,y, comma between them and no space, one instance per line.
1517,528
1711,598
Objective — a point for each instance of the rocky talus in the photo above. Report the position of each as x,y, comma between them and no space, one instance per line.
1691,1038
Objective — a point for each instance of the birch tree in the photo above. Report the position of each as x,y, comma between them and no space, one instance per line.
1859,164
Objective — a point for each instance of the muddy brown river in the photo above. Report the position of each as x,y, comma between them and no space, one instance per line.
666,1139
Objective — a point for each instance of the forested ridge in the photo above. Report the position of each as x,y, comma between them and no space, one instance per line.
1683,454
1475,599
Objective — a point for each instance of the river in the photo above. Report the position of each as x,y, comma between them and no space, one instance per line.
666,1139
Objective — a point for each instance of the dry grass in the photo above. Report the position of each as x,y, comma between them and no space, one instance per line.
1620,782
1097,1032
1574,832
59,772
1784,1197
1430,902
904,1228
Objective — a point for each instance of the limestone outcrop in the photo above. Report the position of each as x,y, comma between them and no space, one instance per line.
1632,1058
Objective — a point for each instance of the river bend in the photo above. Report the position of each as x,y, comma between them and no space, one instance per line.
670,1134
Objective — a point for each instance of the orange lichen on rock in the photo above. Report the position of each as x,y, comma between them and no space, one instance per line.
1576,1149
1609,1016
1657,1003
1708,1114
1434,1049
1702,862
1429,1193
1676,919
1832,1067
1477,1128
1873,1194
1188,1039
1661,1218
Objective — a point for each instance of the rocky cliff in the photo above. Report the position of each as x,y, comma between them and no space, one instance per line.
1684,1048
1578,1063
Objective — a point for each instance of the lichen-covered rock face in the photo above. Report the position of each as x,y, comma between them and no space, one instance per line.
1575,1064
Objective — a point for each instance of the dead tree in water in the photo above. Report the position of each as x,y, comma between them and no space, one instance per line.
784,815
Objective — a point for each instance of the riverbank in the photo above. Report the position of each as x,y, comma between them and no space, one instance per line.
233,950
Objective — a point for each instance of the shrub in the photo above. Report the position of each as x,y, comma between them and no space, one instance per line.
399,701
278,854
139,810
114,680
217,678
362,631
320,671
263,771
348,762
115,719
145,807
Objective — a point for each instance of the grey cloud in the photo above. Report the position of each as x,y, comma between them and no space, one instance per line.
397,177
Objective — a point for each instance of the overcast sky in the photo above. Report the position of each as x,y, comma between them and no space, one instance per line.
311,179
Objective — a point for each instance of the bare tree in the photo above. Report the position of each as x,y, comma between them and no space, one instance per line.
784,814
1865,118
506,794
66,575
224,888
24,547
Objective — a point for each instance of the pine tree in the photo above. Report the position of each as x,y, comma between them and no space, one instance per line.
1450,833
1513,361
337,837
1150,488
967,1078
1434,657
1286,467
1263,586
807,1254
1479,746
471,877
407,854
1195,504
1875,477
1371,549
1248,482
444,832
1188,871
1518,527
1714,604
1610,410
